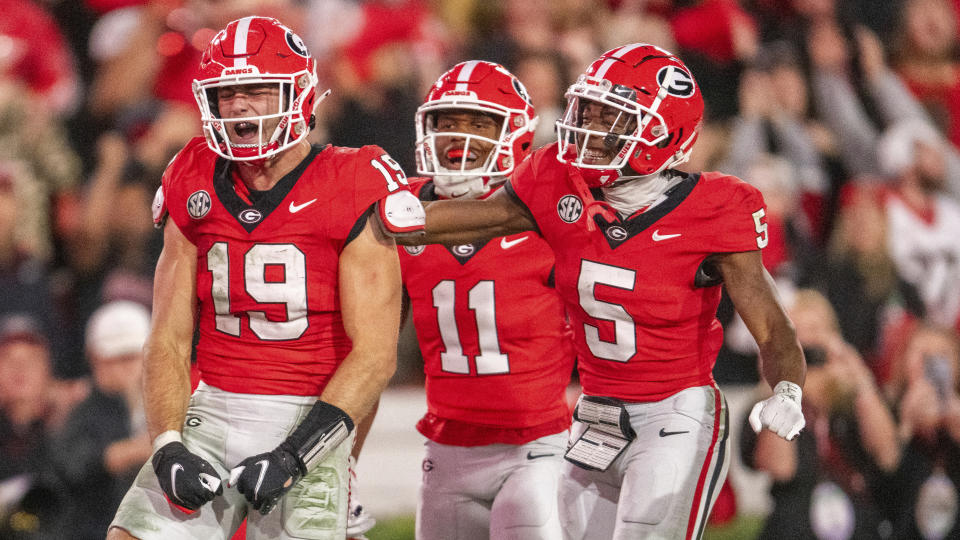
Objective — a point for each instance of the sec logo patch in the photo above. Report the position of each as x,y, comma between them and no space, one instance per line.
198,204
570,208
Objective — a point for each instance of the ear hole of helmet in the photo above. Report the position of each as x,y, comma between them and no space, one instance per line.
212,101
665,142
670,138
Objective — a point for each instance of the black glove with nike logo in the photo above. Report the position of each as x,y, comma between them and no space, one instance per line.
264,478
188,481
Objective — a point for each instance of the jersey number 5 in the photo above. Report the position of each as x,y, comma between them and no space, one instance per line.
761,227
624,344
291,292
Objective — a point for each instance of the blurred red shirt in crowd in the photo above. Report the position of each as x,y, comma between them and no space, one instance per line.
49,71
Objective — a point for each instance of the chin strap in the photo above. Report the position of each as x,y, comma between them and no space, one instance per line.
629,194
466,187
592,207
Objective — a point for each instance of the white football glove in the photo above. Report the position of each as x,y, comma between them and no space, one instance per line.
780,413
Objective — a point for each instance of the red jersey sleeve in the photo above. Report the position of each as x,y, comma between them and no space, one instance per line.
184,197
375,175
739,222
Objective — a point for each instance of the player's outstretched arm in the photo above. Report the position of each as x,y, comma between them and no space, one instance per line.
187,480
754,295
454,222
370,305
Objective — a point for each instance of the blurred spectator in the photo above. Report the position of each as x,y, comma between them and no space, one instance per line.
926,56
104,441
110,246
910,155
780,19
24,249
826,482
923,221
636,21
841,107
33,50
35,144
543,74
379,73
151,52
115,230
32,404
715,37
859,276
926,500
774,117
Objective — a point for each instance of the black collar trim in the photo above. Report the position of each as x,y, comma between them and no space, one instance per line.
621,230
429,192
250,216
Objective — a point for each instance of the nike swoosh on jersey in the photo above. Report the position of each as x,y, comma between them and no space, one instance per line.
507,244
531,455
294,208
664,433
657,237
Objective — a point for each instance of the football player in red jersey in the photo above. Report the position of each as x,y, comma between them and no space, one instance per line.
496,347
275,255
641,252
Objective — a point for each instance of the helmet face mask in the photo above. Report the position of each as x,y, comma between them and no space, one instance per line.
475,126
465,141
636,107
250,55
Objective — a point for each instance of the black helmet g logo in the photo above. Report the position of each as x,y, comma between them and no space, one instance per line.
680,84
297,45
520,89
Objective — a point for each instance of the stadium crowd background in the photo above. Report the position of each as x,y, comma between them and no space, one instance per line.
845,113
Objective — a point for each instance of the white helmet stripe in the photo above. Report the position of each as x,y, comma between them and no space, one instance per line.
240,42
602,70
464,77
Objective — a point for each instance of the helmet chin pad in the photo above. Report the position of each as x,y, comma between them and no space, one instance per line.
454,186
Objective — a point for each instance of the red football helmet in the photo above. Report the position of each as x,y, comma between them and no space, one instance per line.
257,50
652,110
488,88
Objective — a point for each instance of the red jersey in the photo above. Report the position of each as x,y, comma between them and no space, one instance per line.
496,347
645,323
267,271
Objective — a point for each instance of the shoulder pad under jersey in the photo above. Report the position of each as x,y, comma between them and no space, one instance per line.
159,209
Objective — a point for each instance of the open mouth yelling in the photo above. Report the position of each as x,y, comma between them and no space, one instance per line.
246,132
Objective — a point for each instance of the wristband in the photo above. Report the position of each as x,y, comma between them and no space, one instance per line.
789,390
324,427
166,438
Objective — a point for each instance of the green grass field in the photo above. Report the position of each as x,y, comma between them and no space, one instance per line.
742,528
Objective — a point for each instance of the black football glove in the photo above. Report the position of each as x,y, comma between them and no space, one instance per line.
188,481
264,478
